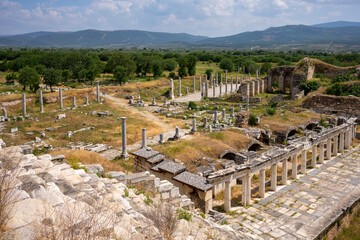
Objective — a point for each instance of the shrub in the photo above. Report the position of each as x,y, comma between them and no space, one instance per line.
340,78
164,219
126,192
208,73
273,105
252,120
323,123
183,214
271,111
309,86
172,75
148,200
192,105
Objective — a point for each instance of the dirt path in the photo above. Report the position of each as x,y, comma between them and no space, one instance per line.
146,114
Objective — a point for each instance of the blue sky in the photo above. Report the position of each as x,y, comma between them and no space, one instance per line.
200,17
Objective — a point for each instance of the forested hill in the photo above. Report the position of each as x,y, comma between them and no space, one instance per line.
290,37
96,38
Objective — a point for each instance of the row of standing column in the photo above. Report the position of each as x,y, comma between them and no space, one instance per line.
41,100
334,145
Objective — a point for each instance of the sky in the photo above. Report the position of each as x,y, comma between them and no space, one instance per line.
210,18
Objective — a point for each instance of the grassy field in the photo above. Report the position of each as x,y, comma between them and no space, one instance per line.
353,231
107,129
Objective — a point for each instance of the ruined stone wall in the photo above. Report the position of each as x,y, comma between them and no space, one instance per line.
325,104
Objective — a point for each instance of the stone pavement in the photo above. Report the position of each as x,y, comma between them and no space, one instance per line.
306,207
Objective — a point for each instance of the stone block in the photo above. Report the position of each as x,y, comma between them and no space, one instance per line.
175,192
95,168
165,186
120,176
165,195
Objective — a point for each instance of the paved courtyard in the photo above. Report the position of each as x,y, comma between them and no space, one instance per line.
304,208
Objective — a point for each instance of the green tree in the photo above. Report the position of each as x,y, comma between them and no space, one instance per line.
157,68
309,86
120,74
191,64
208,73
10,78
265,68
182,67
121,59
28,77
170,64
227,64
66,74
52,77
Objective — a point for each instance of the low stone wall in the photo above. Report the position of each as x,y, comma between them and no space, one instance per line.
326,104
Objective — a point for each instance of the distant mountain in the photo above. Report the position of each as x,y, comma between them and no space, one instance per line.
96,39
290,37
337,24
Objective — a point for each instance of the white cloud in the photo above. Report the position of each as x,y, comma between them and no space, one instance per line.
281,4
113,6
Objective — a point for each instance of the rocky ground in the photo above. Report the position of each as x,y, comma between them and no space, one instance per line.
52,199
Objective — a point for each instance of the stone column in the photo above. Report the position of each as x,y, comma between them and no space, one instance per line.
241,79
294,166
347,139
153,102
284,172
165,103
231,86
303,161
328,149
206,87
143,138
214,89
221,77
226,85
179,86
187,90
232,112
335,142
177,132
257,74
217,79
211,80
247,191
321,152
273,176
341,147
86,100
313,156
249,76
161,138
220,89
227,197
262,183
194,130
203,91
74,102
41,101
194,84
216,118
5,113
24,104
97,91
223,114
60,98
124,153
247,104
236,84
200,83
205,123
209,202
171,89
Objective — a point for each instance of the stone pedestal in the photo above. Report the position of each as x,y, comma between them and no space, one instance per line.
74,102
194,130
161,138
